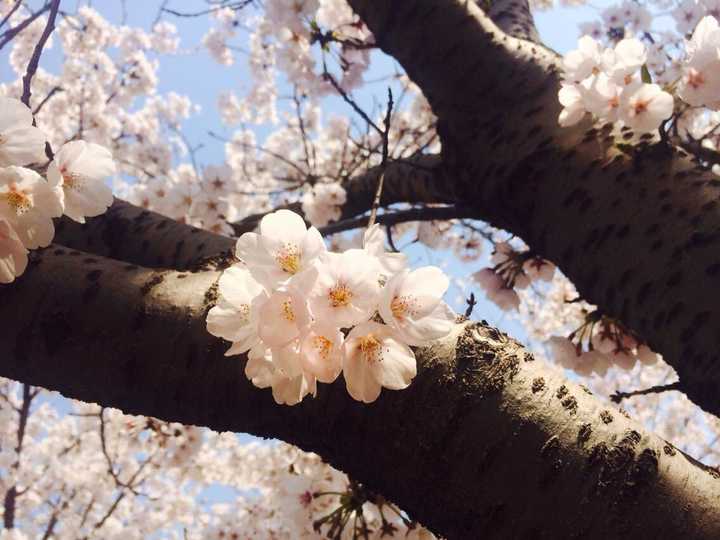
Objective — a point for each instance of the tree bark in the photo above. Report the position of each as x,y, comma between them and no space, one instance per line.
632,221
485,443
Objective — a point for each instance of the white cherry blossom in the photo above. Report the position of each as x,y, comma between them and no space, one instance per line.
28,203
321,352
79,171
645,107
584,61
21,143
282,318
13,255
373,359
284,247
411,303
345,288
700,84
235,317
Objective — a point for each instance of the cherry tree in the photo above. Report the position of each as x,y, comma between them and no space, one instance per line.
318,285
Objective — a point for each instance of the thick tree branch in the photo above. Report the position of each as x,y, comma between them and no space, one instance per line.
138,236
632,222
481,418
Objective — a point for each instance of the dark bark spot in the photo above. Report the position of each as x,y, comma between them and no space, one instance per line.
538,385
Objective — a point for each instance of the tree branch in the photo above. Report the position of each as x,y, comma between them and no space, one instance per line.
632,222
480,419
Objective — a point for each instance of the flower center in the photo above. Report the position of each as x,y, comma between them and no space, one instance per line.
289,258
401,306
340,295
17,199
306,498
695,78
641,107
244,313
71,180
287,310
370,348
322,346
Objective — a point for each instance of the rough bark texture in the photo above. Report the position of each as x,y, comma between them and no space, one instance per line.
138,236
632,222
486,443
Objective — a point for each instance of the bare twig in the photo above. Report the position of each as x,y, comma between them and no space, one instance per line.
618,396
10,33
383,164
35,58
9,14
471,302
431,213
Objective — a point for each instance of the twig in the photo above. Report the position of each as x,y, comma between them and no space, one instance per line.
35,58
10,13
618,396
51,93
471,302
383,164
10,33
234,6
350,101
431,213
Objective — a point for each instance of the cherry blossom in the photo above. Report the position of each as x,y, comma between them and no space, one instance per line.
13,255
345,289
235,316
373,359
700,84
412,305
28,203
79,170
284,247
21,143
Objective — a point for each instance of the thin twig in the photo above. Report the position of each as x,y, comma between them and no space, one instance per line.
35,58
383,164
471,302
618,396
10,13
431,213
10,33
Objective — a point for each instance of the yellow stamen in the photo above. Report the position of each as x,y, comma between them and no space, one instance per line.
340,295
322,345
289,258
287,309
17,200
370,348
71,180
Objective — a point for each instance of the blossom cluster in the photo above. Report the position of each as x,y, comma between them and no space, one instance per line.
607,82
598,344
304,314
700,84
613,83
28,202
512,270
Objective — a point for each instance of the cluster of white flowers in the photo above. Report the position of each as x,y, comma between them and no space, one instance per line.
305,314
599,344
28,203
700,84
512,270
607,82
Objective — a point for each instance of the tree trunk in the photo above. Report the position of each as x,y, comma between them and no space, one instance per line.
485,443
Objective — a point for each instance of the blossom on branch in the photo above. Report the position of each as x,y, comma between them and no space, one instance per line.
306,314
